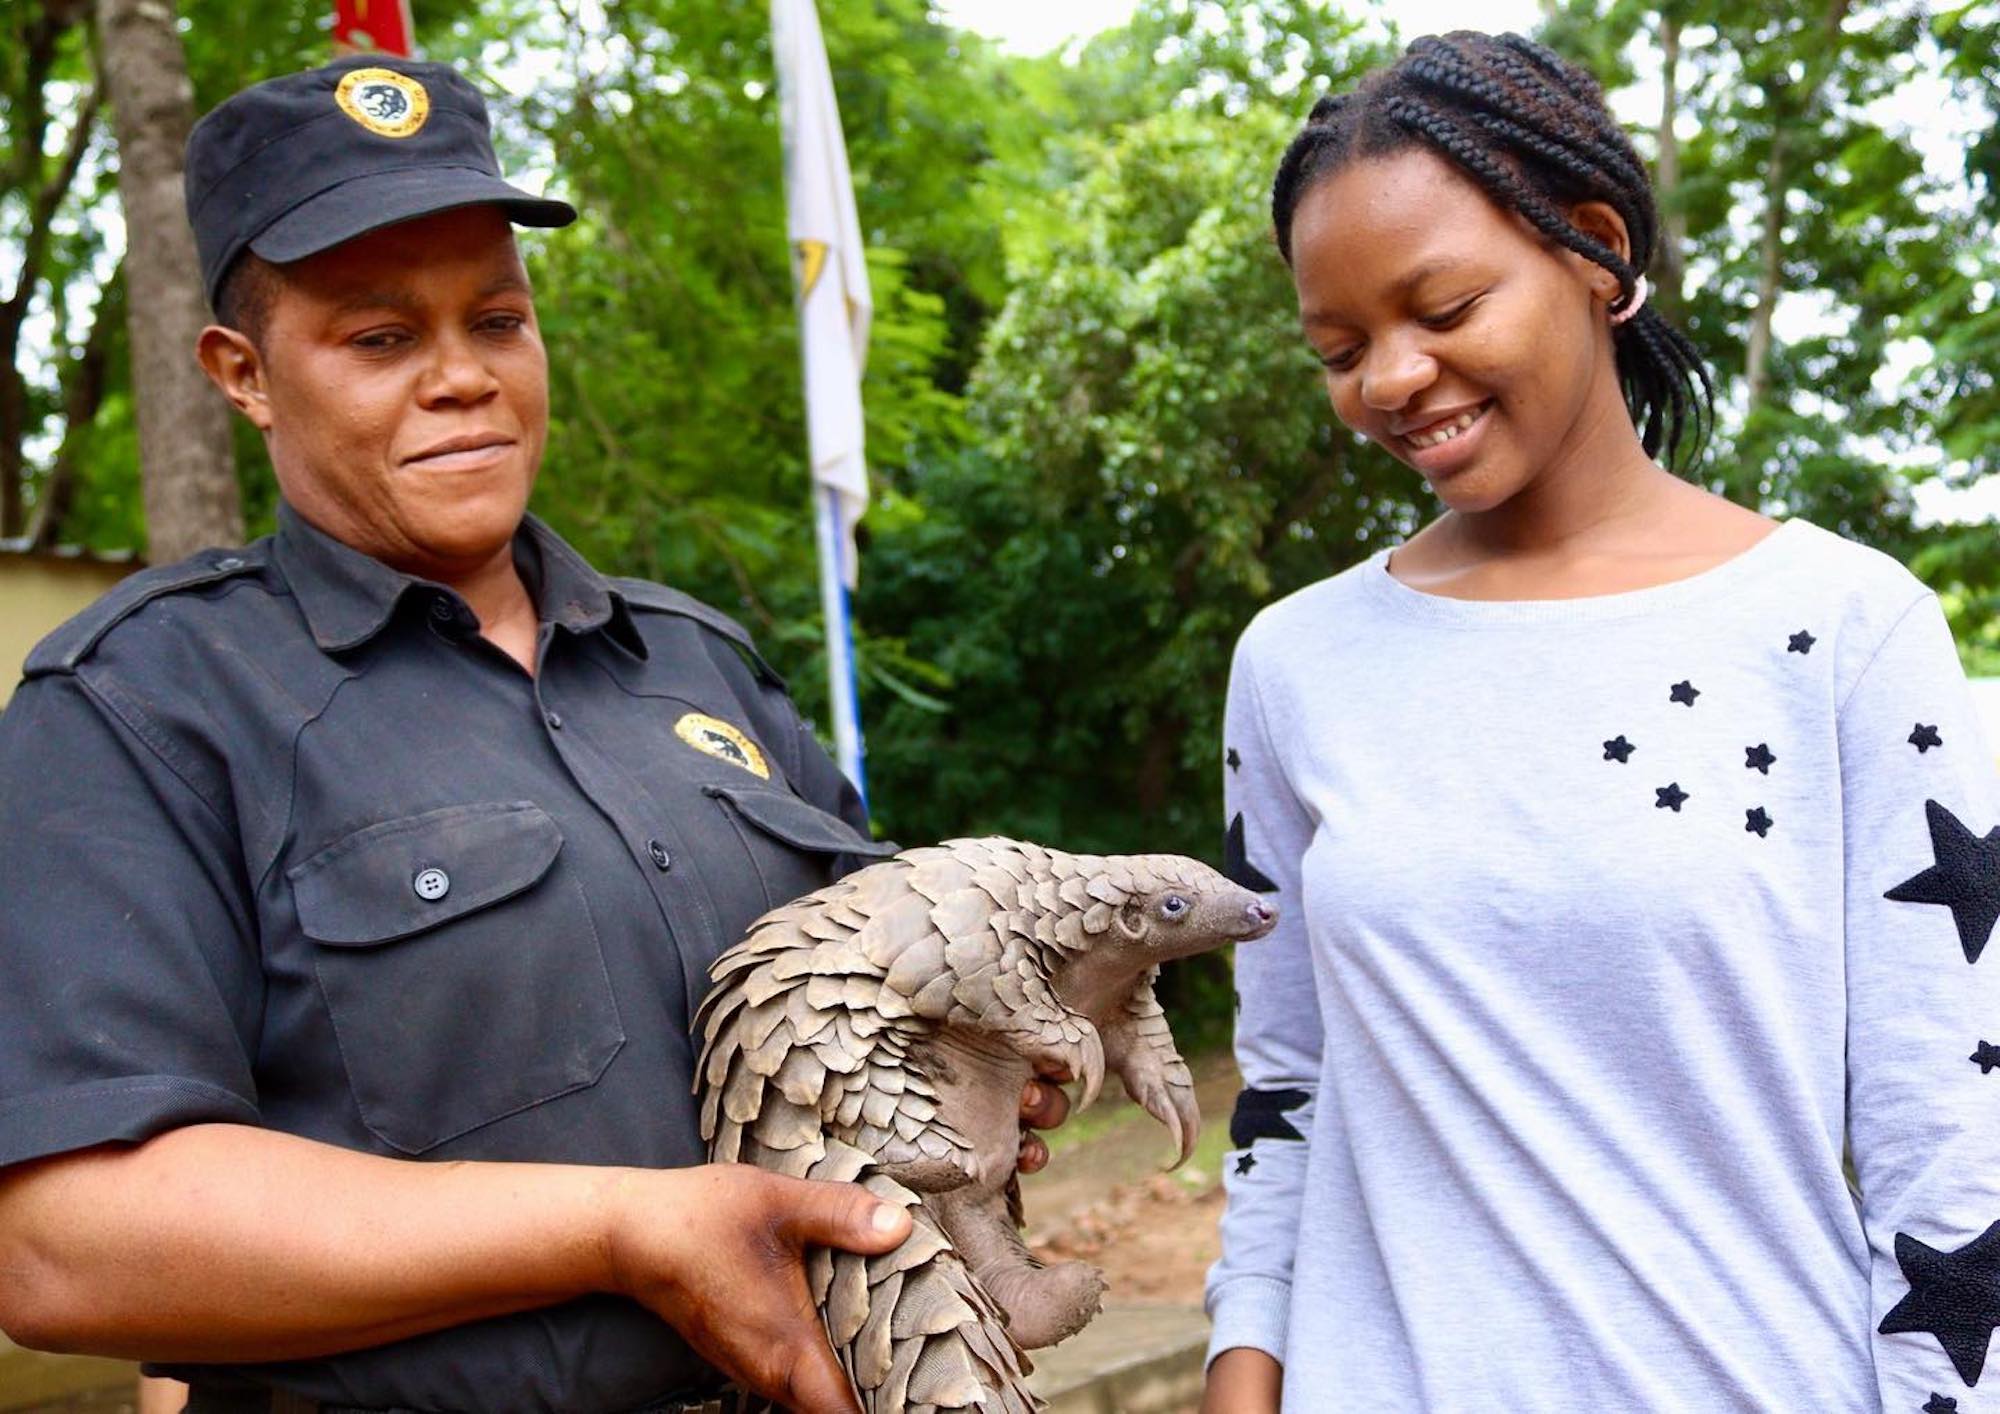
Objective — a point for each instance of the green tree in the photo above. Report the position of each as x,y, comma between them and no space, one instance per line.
1152,444
677,449
53,144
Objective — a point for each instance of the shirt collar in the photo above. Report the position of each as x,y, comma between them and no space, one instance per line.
347,596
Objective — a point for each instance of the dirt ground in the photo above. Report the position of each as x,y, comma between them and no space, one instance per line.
1104,1199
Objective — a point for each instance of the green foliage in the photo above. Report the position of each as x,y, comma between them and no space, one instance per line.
1156,462
677,449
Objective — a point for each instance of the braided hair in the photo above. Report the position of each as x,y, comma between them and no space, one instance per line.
1532,132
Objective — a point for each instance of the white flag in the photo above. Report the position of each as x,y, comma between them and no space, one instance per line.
825,231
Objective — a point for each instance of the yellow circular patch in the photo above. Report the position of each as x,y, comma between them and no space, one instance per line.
722,741
383,101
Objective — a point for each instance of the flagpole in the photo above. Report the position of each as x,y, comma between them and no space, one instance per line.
834,312
841,692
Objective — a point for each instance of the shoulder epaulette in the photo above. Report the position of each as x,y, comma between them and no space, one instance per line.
644,594
71,642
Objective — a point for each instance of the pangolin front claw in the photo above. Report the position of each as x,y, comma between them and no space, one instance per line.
1183,1120
1081,1059
1091,1053
1172,1104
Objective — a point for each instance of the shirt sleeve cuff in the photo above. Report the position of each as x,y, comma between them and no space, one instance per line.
127,1109
1249,1311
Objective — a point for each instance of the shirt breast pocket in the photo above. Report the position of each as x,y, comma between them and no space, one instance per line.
461,968
793,845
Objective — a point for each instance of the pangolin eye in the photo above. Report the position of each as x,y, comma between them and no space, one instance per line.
1173,905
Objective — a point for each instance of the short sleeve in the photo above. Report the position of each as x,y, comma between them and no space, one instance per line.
129,983
1921,822
1278,1035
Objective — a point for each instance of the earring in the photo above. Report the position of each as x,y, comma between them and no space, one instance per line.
1632,305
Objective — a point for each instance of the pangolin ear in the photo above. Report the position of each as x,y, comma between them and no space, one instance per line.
1131,919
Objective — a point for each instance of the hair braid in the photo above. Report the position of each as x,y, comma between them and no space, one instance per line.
1574,156
1603,170
1588,177
1568,77
1662,373
1604,139
1501,184
1533,133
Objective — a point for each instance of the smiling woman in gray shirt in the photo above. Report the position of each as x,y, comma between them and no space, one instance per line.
1632,849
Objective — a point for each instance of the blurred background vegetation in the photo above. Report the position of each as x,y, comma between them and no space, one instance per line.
1098,441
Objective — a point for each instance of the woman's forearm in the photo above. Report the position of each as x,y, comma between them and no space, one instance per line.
1243,1380
225,1242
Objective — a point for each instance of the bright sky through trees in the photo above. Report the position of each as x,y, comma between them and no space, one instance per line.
1036,26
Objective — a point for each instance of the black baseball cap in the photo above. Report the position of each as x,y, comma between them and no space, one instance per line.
296,165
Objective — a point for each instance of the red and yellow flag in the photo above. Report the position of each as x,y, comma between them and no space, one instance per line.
373,27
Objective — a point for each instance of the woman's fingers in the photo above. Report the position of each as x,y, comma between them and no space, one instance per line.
718,1252
1043,1105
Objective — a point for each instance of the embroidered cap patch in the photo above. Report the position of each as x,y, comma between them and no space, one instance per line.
719,739
383,101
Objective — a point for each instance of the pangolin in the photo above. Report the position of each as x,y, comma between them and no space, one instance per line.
881,1031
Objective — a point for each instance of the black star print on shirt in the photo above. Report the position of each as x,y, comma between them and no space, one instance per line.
1939,1404
1755,819
1758,758
1965,879
1236,860
1246,1163
1232,760
1670,797
1954,1296
1924,738
1986,1057
1260,1114
1684,691
1802,642
1618,749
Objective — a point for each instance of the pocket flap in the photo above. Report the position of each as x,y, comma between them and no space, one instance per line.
800,823
400,877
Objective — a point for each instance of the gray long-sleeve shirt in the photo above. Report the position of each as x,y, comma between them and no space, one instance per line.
1608,924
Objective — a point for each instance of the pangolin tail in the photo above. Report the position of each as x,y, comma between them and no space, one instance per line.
915,1333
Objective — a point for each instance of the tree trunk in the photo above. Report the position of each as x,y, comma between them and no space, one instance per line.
1757,348
28,175
1671,263
1801,110
186,465
1158,755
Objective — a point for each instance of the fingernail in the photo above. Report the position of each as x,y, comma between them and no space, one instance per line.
1031,1094
885,1219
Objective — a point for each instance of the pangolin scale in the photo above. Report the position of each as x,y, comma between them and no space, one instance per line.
880,1031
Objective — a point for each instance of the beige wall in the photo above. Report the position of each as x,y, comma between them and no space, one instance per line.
37,592
45,1383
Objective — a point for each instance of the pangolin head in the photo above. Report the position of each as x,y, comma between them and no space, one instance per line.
1177,907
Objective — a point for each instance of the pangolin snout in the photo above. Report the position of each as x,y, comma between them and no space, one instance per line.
1260,918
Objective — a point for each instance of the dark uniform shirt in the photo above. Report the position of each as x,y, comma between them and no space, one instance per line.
288,844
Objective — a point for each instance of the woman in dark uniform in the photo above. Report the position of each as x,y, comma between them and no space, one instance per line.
361,883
